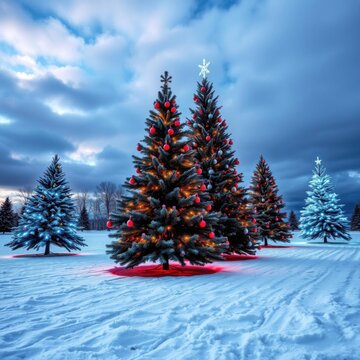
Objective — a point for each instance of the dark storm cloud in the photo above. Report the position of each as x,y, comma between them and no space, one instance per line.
84,99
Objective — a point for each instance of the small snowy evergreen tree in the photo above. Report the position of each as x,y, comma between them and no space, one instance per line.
322,216
355,219
293,221
7,216
49,215
84,222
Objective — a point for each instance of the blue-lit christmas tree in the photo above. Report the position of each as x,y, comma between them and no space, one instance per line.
49,215
322,216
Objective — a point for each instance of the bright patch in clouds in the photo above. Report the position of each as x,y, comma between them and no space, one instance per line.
85,154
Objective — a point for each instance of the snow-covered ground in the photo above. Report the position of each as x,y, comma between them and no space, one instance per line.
297,303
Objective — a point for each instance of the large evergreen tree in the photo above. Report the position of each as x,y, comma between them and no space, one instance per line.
293,221
265,199
215,159
322,216
165,214
84,222
355,219
49,215
7,216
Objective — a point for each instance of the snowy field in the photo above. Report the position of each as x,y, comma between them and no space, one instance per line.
290,303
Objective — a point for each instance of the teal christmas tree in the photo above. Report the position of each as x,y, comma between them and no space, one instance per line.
49,215
322,216
165,214
215,160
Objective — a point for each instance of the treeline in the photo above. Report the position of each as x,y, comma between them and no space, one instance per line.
93,207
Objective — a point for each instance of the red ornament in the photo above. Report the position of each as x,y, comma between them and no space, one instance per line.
200,111
130,223
194,116
199,171
197,200
225,141
177,123
253,220
203,89
208,138
254,230
276,219
208,207
132,181
109,224
157,105
152,130
231,142
194,144
202,187
211,235
237,162
195,98
171,132
173,109
219,120
202,223
138,170
167,104
139,147
186,147
166,147
267,226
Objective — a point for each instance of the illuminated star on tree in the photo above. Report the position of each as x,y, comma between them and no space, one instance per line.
204,69
318,161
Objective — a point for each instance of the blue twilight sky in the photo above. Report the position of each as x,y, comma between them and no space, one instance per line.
78,78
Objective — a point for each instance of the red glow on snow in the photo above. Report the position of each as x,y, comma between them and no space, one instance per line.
157,271
238,257
42,255
275,247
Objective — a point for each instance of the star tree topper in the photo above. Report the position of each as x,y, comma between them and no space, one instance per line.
318,161
204,69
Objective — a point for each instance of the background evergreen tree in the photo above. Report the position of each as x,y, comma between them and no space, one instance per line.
49,215
165,215
84,222
322,216
355,219
7,216
215,160
268,204
293,221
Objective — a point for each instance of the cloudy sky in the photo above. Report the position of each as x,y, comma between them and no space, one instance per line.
78,78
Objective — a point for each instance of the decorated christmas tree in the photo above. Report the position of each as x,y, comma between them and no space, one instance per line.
293,221
84,222
215,160
7,216
322,216
355,219
268,204
166,213
49,215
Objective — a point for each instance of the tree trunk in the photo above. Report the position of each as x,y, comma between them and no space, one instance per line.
325,239
265,241
47,248
166,264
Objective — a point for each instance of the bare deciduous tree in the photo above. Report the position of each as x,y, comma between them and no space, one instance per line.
23,194
106,192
